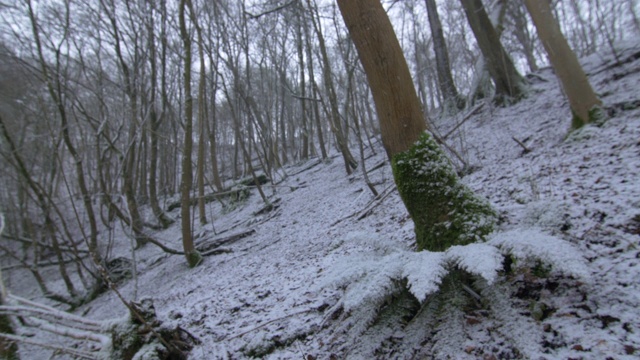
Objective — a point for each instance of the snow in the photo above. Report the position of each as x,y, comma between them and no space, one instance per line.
527,244
479,259
308,281
424,272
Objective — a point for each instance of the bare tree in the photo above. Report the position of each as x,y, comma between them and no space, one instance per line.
8,349
336,124
510,85
585,105
155,118
517,15
193,256
452,100
53,82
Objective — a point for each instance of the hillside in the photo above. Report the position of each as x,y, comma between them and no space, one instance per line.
271,292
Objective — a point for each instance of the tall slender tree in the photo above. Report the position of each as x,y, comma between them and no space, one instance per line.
336,124
8,349
154,118
510,85
584,103
452,100
193,256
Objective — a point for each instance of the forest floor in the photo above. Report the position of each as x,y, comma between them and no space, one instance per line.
271,293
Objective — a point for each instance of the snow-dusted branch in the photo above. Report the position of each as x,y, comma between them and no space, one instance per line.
64,350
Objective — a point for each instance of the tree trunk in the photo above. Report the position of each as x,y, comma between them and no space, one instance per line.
452,101
8,349
336,125
201,119
522,34
582,99
155,121
444,211
304,133
510,86
62,111
193,256
314,92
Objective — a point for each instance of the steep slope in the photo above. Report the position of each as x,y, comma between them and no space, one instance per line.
269,294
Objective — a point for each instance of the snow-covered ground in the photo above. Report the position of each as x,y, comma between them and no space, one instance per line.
273,294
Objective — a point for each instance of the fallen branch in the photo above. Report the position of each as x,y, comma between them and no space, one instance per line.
314,164
28,241
524,147
216,243
271,322
60,349
378,166
379,200
466,117
217,251
164,248
366,211
45,264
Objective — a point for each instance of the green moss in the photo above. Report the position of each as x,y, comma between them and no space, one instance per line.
194,258
8,349
597,116
541,270
125,340
445,212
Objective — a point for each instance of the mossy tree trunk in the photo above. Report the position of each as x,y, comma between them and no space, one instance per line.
582,99
444,211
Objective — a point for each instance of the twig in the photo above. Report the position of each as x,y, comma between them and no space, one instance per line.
524,147
270,322
68,331
252,16
26,340
366,209
466,117
41,264
384,196
471,292
304,98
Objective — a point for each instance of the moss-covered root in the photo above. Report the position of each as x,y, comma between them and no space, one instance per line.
597,115
194,258
445,212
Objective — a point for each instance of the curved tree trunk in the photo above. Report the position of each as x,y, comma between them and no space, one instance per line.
444,211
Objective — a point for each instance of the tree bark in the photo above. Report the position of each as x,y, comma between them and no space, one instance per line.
193,256
582,99
155,121
396,101
336,125
62,111
452,99
510,86
443,210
